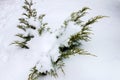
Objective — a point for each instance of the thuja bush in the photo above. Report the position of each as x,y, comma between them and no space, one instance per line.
73,44
71,47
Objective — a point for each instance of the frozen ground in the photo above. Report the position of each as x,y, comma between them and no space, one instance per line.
105,43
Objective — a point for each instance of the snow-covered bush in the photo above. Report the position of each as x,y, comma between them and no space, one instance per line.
70,36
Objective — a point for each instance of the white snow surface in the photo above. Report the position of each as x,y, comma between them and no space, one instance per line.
15,63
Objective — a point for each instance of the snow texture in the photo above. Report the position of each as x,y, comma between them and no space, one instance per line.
15,63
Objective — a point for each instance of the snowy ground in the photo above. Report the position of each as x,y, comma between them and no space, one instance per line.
105,43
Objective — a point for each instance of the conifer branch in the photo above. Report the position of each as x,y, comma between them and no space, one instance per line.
28,7
21,44
75,17
25,25
43,25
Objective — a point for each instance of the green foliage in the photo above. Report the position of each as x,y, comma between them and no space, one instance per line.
84,33
25,38
74,41
75,17
24,25
34,75
21,44
28,7
43,26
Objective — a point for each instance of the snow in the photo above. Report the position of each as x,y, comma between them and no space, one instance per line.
15,63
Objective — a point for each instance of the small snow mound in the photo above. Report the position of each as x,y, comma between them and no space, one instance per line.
44,64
